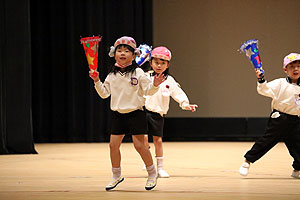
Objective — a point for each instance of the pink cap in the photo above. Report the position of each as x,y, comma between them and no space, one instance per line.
126,40
290,58
162,53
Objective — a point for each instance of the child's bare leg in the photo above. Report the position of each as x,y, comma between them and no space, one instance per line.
138,141
146,141
115,154
139,145
115,157
157,140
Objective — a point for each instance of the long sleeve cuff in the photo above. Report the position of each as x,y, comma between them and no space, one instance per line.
261,80
184,105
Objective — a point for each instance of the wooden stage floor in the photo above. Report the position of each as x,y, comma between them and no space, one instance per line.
199,170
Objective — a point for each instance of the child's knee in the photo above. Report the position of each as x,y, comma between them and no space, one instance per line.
157,139
139,146
114,146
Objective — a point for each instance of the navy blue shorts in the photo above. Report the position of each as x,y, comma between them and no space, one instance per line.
133,123
155,123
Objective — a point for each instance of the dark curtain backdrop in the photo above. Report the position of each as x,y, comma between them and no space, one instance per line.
15,88
46,93
66,107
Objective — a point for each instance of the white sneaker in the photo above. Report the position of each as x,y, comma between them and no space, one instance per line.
163,174
114,183
151,183
244,169
295,174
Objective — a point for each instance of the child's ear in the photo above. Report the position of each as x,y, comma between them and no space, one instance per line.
284,69
133,57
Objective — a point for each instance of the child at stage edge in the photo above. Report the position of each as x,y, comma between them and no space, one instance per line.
157,105
127,85
284,122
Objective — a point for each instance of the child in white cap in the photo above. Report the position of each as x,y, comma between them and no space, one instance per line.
284,121
157,105
127,85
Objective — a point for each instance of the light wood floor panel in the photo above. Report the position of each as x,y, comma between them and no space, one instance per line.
199,170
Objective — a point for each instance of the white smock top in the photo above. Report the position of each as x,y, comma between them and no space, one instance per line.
127,90
285,95
159,102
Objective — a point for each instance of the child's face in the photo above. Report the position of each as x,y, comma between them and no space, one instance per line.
293,70
159,65
124,56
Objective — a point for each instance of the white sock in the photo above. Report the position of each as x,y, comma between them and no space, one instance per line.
151,171
160,164
116,172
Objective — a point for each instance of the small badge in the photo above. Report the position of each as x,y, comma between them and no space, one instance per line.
166,91
134,81
297,99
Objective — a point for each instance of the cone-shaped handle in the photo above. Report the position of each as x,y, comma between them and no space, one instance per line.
250,48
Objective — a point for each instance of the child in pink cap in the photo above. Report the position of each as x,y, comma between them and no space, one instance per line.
127,85
157,105
284,121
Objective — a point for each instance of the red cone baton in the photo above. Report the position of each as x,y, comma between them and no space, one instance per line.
90,45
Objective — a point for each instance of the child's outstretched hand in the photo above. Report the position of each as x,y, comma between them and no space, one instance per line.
94,75
259,74
191,107
158,79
